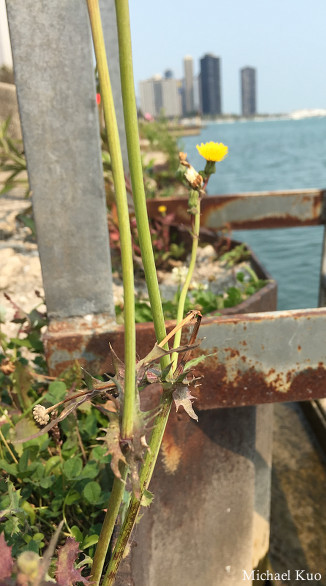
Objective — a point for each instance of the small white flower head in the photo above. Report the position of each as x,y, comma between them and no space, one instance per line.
40,415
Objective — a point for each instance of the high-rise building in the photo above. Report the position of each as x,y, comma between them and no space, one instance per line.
160,96
188,65
171,97
147,97
248,91
210,84
5,47
168,74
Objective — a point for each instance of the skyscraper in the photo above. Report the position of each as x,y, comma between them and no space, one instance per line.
248,91
160,96
168,74
210,84
149,98
188,65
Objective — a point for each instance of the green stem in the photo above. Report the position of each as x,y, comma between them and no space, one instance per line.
183,295
136,172
108,525
123,217
126,261
252,273
144,479
8,447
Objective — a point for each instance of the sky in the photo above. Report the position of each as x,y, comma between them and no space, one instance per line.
285,40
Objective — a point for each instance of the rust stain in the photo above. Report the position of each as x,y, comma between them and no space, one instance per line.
233,352
245,386
252,387
308,384
171,454
212,204
71,339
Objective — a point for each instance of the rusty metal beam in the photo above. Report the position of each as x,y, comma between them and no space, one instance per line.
264,358
257,358
264,209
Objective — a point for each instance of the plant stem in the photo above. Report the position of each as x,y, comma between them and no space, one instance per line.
144,477
252,273
144,480
183,295
8,447
136,172
108,525
123,216
127,268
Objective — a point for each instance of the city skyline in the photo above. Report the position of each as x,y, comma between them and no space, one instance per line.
285,42
194,94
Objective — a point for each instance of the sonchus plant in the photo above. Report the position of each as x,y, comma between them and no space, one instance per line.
133,457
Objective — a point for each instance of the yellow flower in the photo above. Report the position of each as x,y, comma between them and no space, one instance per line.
213,151
162,209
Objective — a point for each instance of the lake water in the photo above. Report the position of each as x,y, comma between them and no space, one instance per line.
271,155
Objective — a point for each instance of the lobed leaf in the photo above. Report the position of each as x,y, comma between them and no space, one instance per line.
112,442
182,396
67,574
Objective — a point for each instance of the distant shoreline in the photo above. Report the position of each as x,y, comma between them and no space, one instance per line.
295,115
184,129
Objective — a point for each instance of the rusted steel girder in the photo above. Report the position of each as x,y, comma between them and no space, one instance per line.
256,358
263,209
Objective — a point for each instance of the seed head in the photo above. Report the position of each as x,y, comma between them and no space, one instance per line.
40,415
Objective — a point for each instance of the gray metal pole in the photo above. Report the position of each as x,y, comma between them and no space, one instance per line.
54,74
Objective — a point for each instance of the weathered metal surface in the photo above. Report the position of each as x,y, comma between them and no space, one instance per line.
59,116
86,338
263,358
265,209
257,358
204,487
263,474
322,278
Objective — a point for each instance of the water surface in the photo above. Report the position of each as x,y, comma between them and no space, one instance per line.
271,155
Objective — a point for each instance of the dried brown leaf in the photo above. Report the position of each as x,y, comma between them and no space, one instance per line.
182,396
112,442
67,574
6,559
118,365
